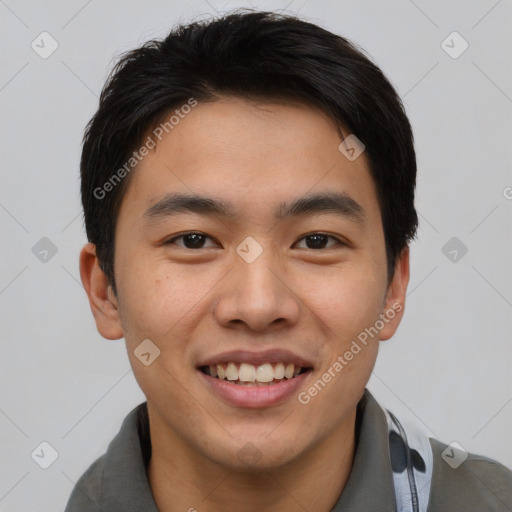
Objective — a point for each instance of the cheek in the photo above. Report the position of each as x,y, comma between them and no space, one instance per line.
361,304
347,301
150,296
350,310
163,303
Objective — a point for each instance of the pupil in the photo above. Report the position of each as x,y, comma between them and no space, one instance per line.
319,241
195,239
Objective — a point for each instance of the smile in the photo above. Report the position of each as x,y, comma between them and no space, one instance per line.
245,374
249,379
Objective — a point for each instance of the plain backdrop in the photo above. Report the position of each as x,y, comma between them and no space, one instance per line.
448,368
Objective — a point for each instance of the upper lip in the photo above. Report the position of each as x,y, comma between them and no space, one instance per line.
257,358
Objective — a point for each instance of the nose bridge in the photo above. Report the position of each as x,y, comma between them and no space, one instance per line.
255,293
257,280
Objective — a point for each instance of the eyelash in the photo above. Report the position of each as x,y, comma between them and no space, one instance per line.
172,240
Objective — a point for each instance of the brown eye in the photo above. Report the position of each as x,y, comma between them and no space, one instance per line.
319,241
190,240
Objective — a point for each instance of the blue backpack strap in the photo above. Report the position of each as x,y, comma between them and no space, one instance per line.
411,461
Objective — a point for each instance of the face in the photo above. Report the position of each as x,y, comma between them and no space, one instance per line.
280,273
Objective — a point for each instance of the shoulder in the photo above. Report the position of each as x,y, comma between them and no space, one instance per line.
117,480
88,493
444,476
466,481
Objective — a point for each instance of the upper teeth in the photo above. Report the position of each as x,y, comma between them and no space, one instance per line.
245,372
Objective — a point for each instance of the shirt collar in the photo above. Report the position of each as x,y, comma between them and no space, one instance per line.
369,486
125,479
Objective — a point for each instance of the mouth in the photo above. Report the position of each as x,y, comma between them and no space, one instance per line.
255,380
246,374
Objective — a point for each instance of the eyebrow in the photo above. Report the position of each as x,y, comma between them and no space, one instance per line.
338,203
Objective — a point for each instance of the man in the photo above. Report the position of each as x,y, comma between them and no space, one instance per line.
248,189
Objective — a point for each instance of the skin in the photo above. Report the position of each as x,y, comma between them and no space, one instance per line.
198,302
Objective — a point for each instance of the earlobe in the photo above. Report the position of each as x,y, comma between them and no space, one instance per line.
101,297
395,298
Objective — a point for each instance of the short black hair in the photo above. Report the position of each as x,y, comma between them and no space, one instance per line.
251,55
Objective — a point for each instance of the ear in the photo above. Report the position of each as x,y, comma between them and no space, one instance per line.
102,300
394,304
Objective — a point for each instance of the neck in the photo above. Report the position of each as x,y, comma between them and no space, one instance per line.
182,480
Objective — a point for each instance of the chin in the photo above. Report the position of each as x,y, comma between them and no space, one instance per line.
256,456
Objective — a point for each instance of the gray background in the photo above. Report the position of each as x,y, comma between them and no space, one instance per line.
448,367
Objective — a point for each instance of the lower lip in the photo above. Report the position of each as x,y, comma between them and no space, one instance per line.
254,396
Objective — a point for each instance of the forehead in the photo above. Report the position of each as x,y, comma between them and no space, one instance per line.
256,156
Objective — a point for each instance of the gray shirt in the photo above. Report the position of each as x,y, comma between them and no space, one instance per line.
117,481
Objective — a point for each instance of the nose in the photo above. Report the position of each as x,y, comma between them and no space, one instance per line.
257,297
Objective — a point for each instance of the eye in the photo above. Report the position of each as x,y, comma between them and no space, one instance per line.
319,240
191,240
194,240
